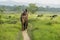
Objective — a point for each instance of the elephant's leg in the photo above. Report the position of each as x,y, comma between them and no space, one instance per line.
22,27
26,24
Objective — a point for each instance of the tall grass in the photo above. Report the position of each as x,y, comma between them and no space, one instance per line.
43,28
10,27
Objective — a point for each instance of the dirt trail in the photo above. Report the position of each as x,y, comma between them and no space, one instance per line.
25,35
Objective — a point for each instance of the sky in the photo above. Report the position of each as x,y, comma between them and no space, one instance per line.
37,1
46,2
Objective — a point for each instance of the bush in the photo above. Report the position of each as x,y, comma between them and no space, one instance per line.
1,22
9,16
40,15
53,22
0,16
49,23
12,22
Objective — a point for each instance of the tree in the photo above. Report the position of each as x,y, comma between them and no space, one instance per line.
1,10
32,8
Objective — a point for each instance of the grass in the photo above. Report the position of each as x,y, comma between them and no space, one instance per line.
43,28
39,28
9,30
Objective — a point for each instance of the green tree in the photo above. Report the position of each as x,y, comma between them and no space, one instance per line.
1,10
32,8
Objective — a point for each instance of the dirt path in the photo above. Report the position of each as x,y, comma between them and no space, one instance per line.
25,35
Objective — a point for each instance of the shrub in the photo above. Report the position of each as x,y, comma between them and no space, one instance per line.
49,23
0,16
53,16
9,16
12,22
40,15
1,22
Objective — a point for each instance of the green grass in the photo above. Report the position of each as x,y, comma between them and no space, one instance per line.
39,28
10,30
43,28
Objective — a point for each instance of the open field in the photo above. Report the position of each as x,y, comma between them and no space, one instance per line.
39,28
43,28
10,27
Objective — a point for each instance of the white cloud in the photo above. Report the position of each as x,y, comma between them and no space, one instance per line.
3,0
26,1
50,1
39,1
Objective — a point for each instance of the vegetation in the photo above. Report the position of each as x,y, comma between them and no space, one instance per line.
42,28
31,8
39,28
44,22
10,27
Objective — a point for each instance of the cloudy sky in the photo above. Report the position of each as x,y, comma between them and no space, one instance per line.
46,2
37,1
